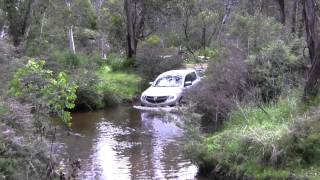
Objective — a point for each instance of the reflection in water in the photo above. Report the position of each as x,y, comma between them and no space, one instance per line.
127,144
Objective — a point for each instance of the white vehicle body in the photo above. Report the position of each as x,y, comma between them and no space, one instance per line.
169,88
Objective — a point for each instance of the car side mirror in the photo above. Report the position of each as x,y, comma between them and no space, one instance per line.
187,83
150,83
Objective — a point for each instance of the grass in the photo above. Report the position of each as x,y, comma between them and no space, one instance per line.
125,85
3,108
258,141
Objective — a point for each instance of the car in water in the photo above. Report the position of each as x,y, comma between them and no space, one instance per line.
170,88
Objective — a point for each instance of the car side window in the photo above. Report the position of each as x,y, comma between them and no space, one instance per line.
191,77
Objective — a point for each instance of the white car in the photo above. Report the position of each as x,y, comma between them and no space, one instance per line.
169,88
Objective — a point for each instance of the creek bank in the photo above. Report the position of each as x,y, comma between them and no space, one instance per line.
110,89
224,173
275,141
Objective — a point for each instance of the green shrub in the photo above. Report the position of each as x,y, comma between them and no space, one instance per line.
68,60
3,108
273,68
302,143
223,85
36,47
117,62
119,86
152,62
152,41
211,53
40,86
254,32
96,58
88,96
270,141
7,166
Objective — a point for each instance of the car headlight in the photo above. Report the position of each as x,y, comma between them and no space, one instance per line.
143,97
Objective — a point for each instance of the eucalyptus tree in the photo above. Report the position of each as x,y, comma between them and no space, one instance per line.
18,14
2,20
200,21
61,24
143,18
311,17
282,11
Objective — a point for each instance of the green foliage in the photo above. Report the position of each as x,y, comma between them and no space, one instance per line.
3,108
254,32
113,22
153,62
152,41
302,143
35,47
117,62
124,85
222,86
273,67
69,60
7,166
267,141
88,96
38,85
85,14
17,14
171,39
86,37
193,145
61,94
207,52
208,17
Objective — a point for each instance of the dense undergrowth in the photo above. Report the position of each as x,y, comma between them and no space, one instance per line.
101,82
124,85
3,108
278,141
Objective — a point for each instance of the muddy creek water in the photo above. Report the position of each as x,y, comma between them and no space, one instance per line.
125,143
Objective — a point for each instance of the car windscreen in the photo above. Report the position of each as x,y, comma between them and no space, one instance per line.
169,81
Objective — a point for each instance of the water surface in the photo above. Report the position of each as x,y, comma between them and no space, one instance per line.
124,143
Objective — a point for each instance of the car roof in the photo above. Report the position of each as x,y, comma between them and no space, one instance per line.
182,72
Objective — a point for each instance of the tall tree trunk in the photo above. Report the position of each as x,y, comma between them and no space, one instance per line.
1,30
294,16
18,17
227,11
301,24
282,11
71,40
2,23
251,8
131,50
2,34
42,24
204,36
72,47
312,31
310,19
